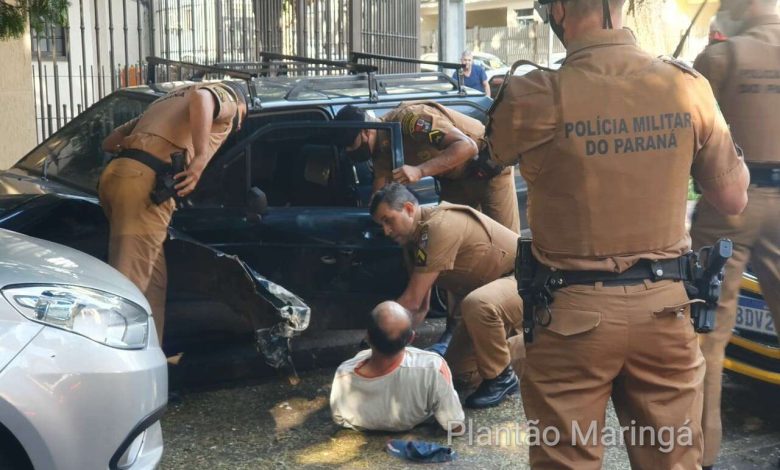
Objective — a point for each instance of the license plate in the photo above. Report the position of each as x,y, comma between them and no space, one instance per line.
754,315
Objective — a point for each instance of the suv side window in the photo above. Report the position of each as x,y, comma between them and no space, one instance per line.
293,163
228,178
74,154
302,168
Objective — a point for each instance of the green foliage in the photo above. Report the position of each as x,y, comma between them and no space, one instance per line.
692,194
12,21
14,16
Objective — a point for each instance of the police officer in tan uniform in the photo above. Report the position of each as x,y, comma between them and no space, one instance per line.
196,120
472,256
744,73
440,142
606,145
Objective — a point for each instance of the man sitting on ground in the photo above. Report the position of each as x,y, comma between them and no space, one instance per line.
394,387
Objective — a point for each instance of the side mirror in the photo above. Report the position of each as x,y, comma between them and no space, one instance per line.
256,203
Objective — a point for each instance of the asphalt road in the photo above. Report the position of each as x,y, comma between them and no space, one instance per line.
275,424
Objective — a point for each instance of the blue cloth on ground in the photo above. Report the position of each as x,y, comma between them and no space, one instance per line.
420,451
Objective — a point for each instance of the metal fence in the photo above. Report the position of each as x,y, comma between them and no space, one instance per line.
529,42
107,41
509,43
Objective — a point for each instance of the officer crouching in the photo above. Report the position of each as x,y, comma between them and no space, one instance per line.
472,256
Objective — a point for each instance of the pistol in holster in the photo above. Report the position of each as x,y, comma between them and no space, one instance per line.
533,285
165,184
483,167
706,278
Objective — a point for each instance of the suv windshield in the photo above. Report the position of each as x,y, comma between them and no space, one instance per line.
73,154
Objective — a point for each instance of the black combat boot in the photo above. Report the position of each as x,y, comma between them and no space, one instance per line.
491,392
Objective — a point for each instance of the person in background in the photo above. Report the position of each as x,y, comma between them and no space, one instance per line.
474,75
744,72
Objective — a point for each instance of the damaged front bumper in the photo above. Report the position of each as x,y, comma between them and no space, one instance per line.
275,314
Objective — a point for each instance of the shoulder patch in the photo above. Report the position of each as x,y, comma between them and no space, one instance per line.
681,65
415,124
436,137
424,237
420,257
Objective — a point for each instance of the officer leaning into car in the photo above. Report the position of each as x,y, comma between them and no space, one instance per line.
744,73
440,142
472,256
194,120
606,145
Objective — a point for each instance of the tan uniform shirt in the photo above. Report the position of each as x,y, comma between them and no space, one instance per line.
607,143
466,248
423,126
164,127
745,76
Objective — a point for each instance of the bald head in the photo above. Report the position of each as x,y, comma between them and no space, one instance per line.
390,328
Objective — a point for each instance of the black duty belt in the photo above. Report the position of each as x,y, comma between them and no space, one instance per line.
764,176
677,269
157,165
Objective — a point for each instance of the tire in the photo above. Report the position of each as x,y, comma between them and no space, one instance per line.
438,303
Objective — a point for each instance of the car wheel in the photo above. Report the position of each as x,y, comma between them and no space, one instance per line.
12,454
438,303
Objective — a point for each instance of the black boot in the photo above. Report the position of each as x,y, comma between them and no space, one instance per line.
491,392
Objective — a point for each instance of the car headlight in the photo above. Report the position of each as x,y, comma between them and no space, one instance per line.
100,316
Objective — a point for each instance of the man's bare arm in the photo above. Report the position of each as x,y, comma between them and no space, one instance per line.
113,142
416,298
487,87
457,148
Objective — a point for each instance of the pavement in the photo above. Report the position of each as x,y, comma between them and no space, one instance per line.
275,423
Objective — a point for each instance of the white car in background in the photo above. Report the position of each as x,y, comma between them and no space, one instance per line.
83,382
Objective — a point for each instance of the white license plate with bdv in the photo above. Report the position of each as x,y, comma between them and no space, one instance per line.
754,315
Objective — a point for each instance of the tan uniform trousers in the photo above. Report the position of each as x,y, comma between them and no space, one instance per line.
632,343
479,348
756,237
496,197
138,228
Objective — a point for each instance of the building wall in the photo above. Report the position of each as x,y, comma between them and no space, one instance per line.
486,18
479,13
17,113
90,77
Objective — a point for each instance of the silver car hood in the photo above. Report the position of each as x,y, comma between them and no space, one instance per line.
28,260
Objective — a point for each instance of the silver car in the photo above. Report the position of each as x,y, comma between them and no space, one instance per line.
83,382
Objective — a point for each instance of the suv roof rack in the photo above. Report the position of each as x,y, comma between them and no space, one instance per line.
356,56
198,72
290,78
283,64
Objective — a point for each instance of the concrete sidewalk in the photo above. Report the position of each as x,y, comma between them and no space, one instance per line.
274,424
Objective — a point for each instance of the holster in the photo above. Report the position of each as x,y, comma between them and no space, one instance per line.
701,272
706,277
165,182
532,284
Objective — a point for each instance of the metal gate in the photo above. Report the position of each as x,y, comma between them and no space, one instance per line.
107,41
